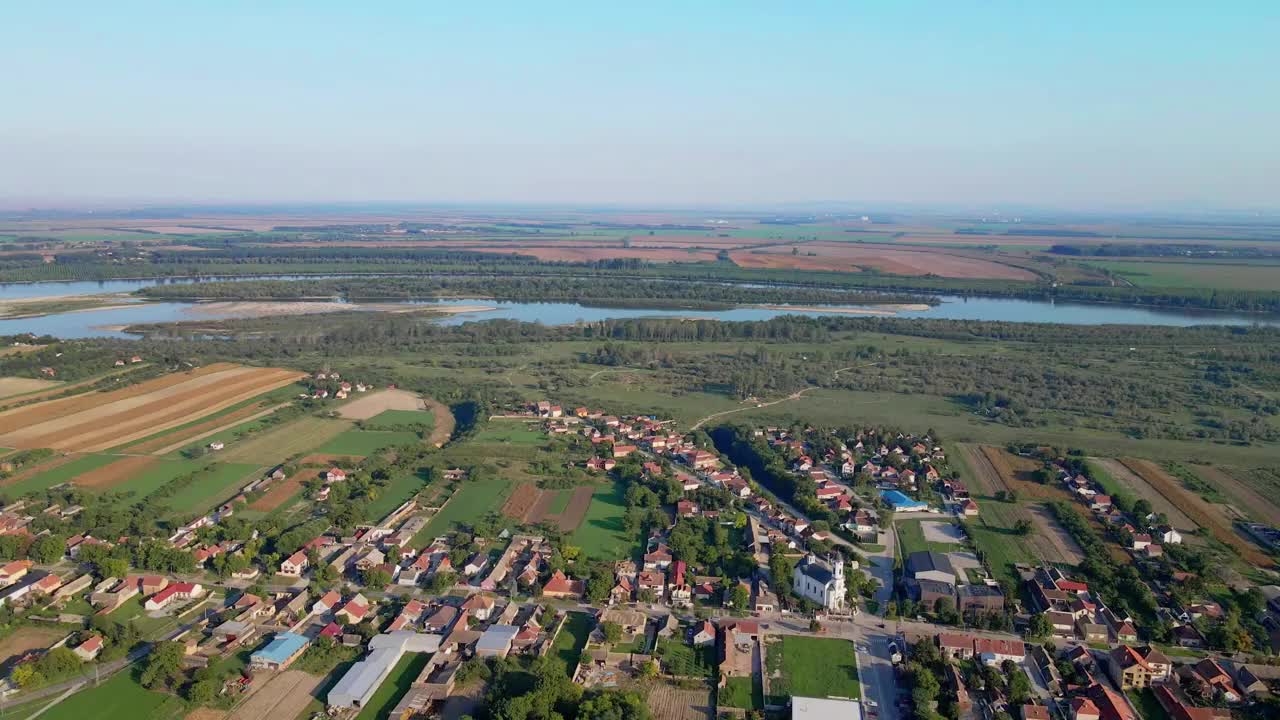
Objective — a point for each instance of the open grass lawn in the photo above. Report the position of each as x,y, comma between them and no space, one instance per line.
366,442
1001,548
741,692
221,483
58,475
394,687
470,501
132,610
510,431
601,534
911,538
120,698
567,648
402,488
679,658
390,419
815,667
1191,274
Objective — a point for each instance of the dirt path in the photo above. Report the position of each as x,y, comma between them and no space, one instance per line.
1245,498
793,396
442,428
1141,488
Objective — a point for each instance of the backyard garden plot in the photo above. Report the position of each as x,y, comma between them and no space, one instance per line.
510,432
470,501
569,642
602,535
219,482
25,639
812,667
284,441
667,702
98,421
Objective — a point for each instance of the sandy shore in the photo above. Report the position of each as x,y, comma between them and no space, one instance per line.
268,308
20,308
880,310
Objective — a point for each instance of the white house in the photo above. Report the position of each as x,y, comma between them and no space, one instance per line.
821,581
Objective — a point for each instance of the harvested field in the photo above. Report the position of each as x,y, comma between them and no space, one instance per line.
572,517
61,388
279,492
108,476
10,386
204,713
280,698
367,406
885,258
1196,509
27,638
119,421
1247,499
521,501
667,702
286,440
61,407
1050,534
1121,471
174,441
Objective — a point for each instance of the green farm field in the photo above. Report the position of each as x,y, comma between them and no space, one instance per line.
366,442
1259,275
221,483
601,534
402,488
292,438
510,432
64,472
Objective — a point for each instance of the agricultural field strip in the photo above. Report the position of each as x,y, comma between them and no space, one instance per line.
61,407
301,435
114,473
1201,512
1050,542
111,425
225,422
1119,470
1247,500
368,406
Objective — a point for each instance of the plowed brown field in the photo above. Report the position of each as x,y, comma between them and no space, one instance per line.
572,517
280,491
114,473
522,500
117,420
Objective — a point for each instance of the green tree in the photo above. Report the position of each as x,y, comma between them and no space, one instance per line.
164,665
611,631
48,549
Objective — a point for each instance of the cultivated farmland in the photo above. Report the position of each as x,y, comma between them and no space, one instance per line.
667,702
10,386
368,406
97,421
292,438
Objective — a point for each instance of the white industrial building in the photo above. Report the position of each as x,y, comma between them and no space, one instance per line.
807,708
360,683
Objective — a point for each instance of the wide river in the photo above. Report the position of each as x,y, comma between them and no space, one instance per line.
103,323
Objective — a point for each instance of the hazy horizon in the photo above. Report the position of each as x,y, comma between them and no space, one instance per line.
1148,106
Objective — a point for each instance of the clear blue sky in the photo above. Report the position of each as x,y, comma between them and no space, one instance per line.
1063,104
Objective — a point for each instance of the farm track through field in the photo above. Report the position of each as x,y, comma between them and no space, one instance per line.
1204,514
112,474
60,407
1246,499
113,425
1120,470
444,422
